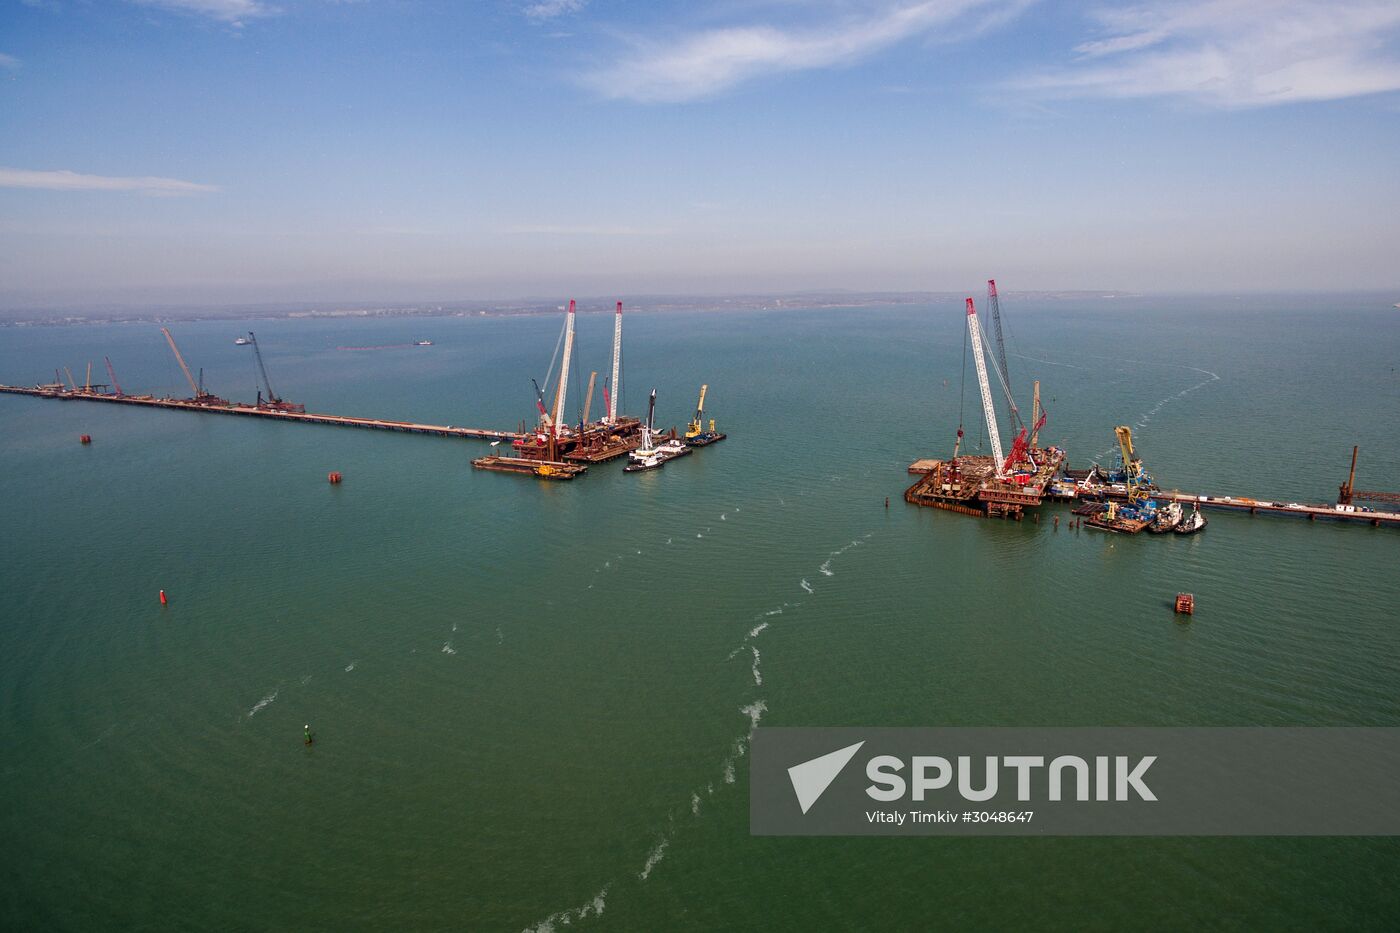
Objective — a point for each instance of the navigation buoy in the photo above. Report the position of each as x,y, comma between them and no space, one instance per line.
162,597
307,729
85,438
334,478
1185,603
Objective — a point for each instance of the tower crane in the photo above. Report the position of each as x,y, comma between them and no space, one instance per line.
974,331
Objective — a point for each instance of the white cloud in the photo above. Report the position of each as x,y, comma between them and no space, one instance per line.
1235,53
233,12
548,9
63,180
705,63
8,61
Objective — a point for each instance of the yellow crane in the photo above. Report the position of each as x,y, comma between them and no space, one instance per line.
696,428
1132,464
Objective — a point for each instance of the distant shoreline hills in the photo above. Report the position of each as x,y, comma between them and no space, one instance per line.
642,304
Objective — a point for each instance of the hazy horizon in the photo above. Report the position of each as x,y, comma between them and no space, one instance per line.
238,152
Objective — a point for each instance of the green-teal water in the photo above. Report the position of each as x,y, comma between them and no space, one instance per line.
531,700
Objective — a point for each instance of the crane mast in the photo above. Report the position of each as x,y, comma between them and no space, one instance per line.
697,426
974,331
616,367
189,377
562,390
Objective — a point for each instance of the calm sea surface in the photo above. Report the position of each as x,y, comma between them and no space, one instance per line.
531,701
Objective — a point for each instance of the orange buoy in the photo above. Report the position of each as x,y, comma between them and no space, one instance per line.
85,438
162,597
1185,603
334,478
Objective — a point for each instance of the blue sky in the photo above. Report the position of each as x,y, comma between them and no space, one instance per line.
231,151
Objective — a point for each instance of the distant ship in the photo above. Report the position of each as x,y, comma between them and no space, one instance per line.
422,343
241,341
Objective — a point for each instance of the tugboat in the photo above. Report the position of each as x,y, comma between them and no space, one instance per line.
1191,523
1168,518
646,457
672,449
422,343
695,435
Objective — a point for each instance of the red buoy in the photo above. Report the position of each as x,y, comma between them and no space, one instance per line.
162,597
334,478
85,438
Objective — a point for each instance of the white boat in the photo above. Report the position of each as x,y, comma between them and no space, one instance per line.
1191,523
241,341
1168,518
646,456
422,343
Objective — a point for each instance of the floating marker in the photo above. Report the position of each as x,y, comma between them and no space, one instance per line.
307,729
162,597
334,478
85,438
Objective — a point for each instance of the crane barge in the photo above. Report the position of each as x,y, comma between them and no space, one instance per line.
1002,484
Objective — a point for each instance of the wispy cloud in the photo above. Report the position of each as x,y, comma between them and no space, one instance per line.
8,61
548,9
1234,53
233,12
708,62
62,180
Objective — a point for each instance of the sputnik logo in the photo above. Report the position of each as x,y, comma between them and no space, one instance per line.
811,778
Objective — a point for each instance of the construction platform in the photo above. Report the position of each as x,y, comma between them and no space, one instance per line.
969,484
1344,513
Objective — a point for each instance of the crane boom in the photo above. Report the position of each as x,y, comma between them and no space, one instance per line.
616,367
271,396
995,302
71,381
181,360
87,383
975,333
562,390
113,373
588,402
697,426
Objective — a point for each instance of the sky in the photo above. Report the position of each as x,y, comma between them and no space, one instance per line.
209,152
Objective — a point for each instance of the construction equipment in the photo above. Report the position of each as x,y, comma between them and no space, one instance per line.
87,383
1135,478
1348,491
113,373
561,390
610,387
197,388
974,331
273,401
1037,417
588,401
71,381
995,301
696,425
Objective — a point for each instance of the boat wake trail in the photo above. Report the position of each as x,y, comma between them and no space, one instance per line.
656,855
448,649
1146,417
593,908
264,702
808,587
757,677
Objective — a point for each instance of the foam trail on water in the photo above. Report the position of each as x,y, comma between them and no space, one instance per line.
694,804
350,667
826,570
722,517
775,612
264,702
448,649
593,908
757,629
808,587
757,677
657,854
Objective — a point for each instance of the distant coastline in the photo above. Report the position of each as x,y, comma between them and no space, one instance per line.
641,304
